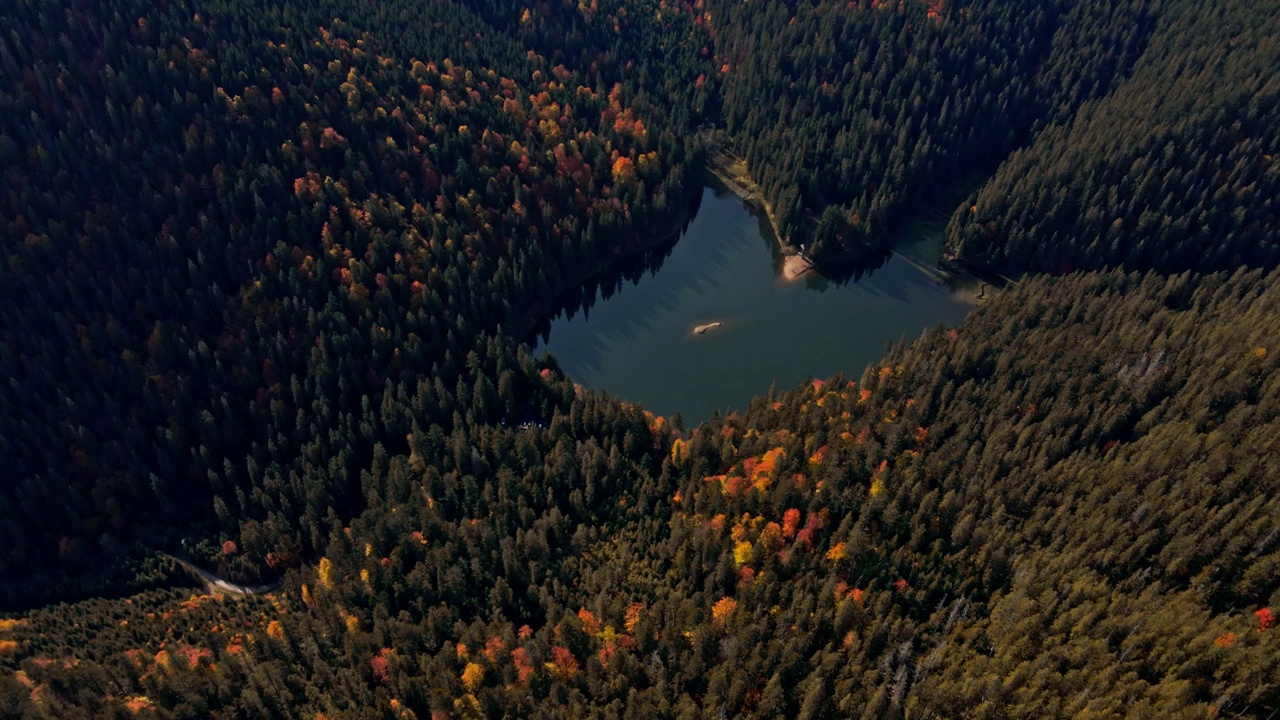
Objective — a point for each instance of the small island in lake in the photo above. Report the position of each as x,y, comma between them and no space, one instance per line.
700,329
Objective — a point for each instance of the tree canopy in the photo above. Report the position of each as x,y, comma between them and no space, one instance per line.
268,269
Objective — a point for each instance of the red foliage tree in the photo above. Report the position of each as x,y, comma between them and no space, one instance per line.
563,661
523,667
1266,619
378,663
790,523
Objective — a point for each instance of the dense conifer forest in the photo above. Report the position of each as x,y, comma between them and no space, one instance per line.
268,270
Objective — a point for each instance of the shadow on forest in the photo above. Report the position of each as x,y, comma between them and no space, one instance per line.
680,280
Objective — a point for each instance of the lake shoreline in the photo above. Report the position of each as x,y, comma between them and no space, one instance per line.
640,342
731,171
964,285
656,238
739,184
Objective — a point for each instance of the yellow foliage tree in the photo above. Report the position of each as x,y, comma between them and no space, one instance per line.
877,478
836,552
679,450
326,573
472,676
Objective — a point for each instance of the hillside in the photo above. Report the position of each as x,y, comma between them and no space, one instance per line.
267,271
1003,519
1172,171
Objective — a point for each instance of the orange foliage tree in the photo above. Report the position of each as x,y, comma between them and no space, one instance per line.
633,616
624,170
721,611
563,663
590,622
790,523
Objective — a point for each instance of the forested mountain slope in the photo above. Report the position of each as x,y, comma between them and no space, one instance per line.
247,246
293,227
1175,170
266,271
1067,505
1141,132
863,108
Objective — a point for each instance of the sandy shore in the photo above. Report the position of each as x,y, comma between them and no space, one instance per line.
794,267
700,329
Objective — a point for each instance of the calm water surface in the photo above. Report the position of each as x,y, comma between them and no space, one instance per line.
638,344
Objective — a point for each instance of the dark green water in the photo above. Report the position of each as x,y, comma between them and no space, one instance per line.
638,343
